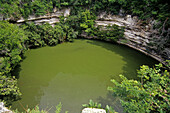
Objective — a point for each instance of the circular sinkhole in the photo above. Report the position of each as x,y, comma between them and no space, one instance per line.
74,73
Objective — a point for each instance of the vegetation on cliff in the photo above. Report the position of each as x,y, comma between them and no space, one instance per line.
145,9
15,40
12,40
41,35
151,94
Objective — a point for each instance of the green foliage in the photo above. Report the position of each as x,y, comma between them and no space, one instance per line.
9,8
9,91
99,106
12,45
32,31
11,37
12,40
58,108
83,21
167,64
68,30
38,7
41,35
86,20
112,33
5,66
145,9
92,105
151,94
37,110
109,109
16,8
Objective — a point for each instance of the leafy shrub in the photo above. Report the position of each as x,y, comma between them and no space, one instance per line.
37,110
151,94
41,35
109,32
12,45
92,105
9,91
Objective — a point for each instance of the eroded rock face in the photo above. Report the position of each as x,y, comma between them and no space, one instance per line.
93,110
51,18
137,34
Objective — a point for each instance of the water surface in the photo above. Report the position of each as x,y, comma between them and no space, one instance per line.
74,73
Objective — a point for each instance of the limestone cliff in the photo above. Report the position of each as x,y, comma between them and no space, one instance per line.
51,18
137,35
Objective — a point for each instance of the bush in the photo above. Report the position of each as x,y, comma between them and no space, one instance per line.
151,94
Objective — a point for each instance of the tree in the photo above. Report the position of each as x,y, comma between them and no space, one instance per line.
12,45
9,9
151,94
9,91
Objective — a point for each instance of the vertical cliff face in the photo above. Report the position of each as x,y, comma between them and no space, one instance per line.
51,18
138,34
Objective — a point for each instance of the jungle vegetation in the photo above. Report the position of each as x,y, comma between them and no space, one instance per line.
37,110
15,40
145,9
151,94
158,10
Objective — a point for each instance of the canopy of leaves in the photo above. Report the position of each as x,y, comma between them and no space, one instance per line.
41,35
158,9
151,94
38,110
12,40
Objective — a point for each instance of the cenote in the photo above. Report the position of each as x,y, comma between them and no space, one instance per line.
73,73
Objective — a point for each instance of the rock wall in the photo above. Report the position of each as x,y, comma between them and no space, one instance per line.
51,18
137,35
3,109
93,110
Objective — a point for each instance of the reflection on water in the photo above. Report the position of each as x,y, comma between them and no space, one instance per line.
74,73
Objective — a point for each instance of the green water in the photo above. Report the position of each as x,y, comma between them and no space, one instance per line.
74,73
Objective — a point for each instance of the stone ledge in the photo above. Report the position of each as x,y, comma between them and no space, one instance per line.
135,32
3,109
93,110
